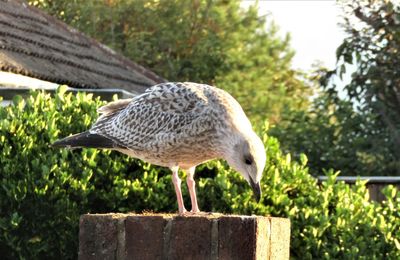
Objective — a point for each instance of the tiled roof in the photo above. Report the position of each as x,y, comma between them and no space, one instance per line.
35,44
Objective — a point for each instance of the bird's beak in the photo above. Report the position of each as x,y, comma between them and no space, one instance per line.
256,190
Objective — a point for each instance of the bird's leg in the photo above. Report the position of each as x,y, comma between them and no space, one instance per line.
192,189
177,184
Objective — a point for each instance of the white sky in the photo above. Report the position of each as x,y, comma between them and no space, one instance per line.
313,26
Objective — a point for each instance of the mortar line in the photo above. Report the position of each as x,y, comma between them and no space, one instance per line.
167,238
121,239
214,239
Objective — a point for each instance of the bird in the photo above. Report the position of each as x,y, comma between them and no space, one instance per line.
179,125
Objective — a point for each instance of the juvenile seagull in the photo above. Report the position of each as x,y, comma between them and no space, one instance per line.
179,125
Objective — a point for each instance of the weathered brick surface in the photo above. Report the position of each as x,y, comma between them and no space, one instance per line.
280,238
144,237
157,236
87,243
98,237
190,238
263,234
237,238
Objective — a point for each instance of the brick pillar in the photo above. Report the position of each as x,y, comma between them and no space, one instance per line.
157,236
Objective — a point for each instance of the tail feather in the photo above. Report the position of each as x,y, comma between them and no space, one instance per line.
85,139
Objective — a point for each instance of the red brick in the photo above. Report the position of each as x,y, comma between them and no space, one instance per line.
280,238
144,237
87,247
237,238
190,238
97,237
263,234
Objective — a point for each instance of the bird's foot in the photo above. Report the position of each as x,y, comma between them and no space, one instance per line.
191,213
195,211
183,212
200,213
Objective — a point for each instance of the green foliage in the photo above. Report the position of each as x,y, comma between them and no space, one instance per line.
336,136
214,42
372,46
43,190
360,134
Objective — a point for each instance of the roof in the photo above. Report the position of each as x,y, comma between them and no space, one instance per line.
35,44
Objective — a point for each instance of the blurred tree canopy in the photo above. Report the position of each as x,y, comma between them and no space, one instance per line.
336,136
358,134
374,45
215,42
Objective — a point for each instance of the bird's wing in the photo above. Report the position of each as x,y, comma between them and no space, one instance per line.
162,114
114,107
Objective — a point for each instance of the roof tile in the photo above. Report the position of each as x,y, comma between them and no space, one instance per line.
34,44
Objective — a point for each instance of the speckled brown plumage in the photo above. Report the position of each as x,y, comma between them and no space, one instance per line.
170,124
179,125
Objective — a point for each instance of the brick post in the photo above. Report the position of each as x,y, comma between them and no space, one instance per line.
206,236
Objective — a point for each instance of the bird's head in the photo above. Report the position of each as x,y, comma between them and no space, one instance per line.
248,157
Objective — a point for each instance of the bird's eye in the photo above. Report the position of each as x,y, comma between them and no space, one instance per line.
248,160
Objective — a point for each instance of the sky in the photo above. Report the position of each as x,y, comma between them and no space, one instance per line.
313,25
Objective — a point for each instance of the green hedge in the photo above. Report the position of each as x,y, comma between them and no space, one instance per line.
43,191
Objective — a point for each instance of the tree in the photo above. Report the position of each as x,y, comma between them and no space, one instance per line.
359,134
336,136
374,44
214,42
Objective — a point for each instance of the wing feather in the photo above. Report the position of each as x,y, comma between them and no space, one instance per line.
161,115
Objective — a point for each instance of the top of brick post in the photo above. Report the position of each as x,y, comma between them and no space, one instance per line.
171,236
